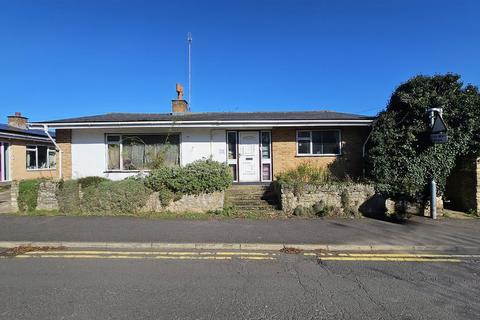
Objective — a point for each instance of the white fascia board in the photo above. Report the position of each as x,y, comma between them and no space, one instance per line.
205,124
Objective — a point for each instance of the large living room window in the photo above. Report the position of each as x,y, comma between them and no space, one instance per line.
40,157
142,151
318,142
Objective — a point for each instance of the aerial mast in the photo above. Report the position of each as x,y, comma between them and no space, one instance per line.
189,40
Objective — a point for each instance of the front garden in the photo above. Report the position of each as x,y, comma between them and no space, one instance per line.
313,191
194,190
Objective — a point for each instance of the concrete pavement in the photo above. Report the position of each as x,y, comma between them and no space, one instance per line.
361,232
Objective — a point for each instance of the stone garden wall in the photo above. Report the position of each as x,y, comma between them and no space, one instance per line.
47,200
188,203
354,197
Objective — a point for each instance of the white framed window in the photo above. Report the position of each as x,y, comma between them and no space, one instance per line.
133,152
40,157
232,151
319,143
266,155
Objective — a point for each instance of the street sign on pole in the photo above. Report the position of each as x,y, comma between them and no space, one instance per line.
439,138
438,134
439,125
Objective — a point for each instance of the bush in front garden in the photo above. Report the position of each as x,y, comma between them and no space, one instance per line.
202,176
125,196
92,180
68,196
28,194
305,174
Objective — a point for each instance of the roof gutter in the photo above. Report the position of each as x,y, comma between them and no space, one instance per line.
205,124
60,171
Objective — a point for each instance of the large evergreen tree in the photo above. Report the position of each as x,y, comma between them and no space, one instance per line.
401,157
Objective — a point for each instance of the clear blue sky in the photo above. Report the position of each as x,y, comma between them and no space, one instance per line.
67,58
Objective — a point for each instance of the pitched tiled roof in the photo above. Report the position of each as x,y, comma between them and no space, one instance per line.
214,116
24,132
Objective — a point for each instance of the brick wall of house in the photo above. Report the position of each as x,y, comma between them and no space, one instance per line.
64,141
462,189
350,162
18,162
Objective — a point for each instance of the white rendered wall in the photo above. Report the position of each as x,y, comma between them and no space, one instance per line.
89,150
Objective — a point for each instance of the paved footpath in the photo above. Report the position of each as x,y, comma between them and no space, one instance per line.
418,231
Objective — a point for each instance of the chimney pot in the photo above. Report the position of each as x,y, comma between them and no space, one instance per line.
179,105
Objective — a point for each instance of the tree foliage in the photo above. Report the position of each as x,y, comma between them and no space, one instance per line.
401,157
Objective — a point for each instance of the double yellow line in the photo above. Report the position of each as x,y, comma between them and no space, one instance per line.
150,255
391,257
242,255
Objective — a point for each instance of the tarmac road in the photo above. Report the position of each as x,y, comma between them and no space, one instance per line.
196,285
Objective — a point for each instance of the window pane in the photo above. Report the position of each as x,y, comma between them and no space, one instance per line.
303,134
113,138
330,136
42,157
113,157
266,145
31,159
51,159
317,142
232,145
133,154
150,151
266,172
331,140
303,147
233,170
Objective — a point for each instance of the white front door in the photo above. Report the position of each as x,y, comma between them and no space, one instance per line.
248,150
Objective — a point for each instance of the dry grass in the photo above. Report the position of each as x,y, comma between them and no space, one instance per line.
291,250
12,252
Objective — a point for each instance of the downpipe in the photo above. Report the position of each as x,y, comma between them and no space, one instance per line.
60,169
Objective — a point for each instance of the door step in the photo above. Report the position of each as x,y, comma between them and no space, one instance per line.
252,198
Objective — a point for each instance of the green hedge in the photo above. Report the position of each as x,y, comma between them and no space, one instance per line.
202,176
125,196
68,196
28,194
92,180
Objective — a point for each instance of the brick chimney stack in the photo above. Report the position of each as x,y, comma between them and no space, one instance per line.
18,121
179,105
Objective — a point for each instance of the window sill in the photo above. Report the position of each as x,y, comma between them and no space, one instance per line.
43,169
318,155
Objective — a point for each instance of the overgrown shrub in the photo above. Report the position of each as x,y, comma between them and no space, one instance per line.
125,196
348,208
401,157
319,209
166,196
202,176
158,179
303,175
68,196
92,180
28,194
